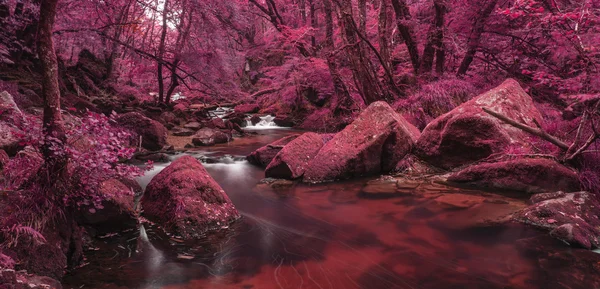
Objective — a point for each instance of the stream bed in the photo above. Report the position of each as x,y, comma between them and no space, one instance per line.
329,237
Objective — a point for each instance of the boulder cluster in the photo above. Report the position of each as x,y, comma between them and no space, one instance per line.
467,146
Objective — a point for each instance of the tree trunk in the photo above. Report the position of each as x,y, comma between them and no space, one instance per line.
435,38
402,16
161,53
302,8
367,82
362,17
313,22
343,99
183,29
328,10
384,32
475,36
55,137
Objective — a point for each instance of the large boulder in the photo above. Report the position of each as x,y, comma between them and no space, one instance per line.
117,210
374,143
292,161
570,217
153,133
208,137
186,200
263,156
9,111
10,138
467,134
526,175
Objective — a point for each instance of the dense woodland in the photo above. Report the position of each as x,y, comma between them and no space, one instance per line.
88,85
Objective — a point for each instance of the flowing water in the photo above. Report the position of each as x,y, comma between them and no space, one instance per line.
324,237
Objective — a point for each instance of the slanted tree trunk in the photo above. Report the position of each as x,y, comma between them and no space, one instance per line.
475,36
161,53
402,17
55,137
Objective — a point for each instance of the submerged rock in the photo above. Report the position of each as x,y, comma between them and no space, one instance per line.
570,217
187,201
194,125
560,268
183,132
208,137
467,134
526,175
153,133
293,159
264,155
374,143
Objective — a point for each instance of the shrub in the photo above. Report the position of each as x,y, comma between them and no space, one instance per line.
95,151
435,99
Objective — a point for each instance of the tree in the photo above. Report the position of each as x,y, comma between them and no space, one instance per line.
475,36
52,120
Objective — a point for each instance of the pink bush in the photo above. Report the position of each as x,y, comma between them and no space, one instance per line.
96,152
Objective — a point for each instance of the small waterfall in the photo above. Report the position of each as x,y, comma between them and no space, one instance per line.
220,112
143,234
266,122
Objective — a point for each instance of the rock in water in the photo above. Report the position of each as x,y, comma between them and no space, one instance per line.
292,161
186,200
526,175
373,143
467,134
264,155
118,209
208,137
153,133
570,217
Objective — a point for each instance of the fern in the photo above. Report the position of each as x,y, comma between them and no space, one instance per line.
18,231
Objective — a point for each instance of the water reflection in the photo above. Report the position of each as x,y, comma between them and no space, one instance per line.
326,236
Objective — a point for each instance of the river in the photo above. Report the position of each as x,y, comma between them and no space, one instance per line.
323,237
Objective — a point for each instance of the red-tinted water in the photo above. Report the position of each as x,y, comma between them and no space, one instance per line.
326,236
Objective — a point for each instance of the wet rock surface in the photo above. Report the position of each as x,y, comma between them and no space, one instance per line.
153,133
525,175
208,137
293,159
264,155
117,211
373,143
570,217
186,200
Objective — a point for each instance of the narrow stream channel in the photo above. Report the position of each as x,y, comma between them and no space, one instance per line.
318,236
